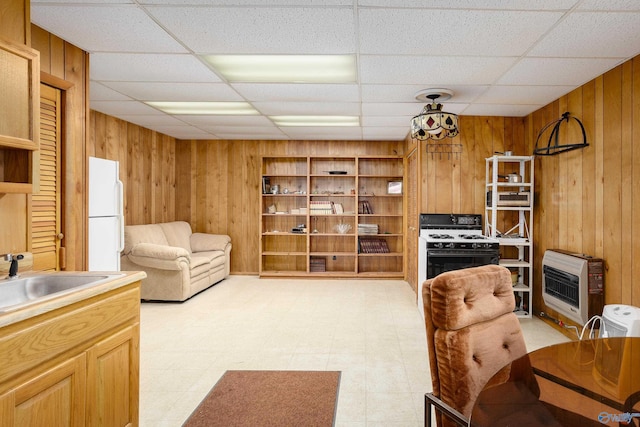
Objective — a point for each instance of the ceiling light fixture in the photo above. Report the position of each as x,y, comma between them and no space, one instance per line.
285,68
433,123
315,120
204,108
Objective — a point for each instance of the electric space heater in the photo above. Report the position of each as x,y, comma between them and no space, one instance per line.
616,358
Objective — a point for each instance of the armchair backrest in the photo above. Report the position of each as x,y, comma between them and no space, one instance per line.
472,332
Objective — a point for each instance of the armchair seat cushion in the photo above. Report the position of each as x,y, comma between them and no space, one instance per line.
178,263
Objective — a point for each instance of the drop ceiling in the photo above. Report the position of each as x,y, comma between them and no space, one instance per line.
499,57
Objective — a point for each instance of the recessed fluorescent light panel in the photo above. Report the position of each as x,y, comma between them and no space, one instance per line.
285,68
217,108
315,120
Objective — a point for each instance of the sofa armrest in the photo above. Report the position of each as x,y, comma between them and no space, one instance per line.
201,242
159,256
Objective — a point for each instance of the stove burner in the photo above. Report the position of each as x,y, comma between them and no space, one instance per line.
441,236
472,236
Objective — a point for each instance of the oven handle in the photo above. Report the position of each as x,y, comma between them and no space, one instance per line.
457,253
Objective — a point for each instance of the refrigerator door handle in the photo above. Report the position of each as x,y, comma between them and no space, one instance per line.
121,216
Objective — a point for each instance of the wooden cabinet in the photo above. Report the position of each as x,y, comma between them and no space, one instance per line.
19,116
509,217
77,365
332,216
53,398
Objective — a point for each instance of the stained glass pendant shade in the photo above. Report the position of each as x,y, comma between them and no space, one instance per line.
432,122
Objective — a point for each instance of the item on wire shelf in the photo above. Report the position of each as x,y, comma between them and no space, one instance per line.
367,228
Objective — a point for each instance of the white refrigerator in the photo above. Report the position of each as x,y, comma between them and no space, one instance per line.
106,219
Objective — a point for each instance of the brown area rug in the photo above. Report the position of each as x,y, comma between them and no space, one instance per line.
269,398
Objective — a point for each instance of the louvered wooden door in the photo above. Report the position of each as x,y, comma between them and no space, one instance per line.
45,221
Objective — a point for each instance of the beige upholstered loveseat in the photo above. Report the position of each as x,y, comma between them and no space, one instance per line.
178,263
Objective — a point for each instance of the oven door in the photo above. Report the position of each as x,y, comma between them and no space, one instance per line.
439,261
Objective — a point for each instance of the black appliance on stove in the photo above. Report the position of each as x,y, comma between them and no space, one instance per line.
452,242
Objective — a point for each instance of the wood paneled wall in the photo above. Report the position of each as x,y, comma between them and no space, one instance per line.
67,67
219,185
588,200
147,167
455,183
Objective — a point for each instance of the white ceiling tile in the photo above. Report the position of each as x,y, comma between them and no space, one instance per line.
115,108
491,53
406,93
630,5
139,67
408,109
589,35
244,130
500,110
298,92
151,121
176,91
467,32
556,71
374,133
537,95
430,71
114,28
185,132
475,4
308,108
100,92
263,3
83,1
208,30
386,121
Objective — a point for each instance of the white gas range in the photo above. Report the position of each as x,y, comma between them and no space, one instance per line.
452,242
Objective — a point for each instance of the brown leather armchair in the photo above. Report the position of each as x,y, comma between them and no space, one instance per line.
472,333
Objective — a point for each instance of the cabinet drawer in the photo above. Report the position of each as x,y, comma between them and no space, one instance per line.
28,345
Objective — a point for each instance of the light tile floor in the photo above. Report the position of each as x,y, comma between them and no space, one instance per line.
371,330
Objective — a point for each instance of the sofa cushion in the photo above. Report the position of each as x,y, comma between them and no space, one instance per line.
178,233
209,242
150,233
215,258
159,256
199,265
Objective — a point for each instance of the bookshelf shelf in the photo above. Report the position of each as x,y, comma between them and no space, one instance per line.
318,194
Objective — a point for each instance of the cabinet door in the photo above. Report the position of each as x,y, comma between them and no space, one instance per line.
54,398
113,380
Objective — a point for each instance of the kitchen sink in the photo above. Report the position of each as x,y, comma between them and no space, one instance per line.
23,291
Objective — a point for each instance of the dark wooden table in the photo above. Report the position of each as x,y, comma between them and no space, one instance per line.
590,382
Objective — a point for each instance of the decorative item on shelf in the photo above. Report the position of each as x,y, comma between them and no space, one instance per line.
275,188
342,228
394,187
553,144
271,209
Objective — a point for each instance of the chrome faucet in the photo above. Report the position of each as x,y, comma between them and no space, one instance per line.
13,268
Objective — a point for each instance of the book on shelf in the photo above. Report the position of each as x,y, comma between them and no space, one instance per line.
369,245
317,265
364,207
266,185
325,207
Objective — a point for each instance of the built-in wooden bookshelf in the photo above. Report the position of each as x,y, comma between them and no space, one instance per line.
316,211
